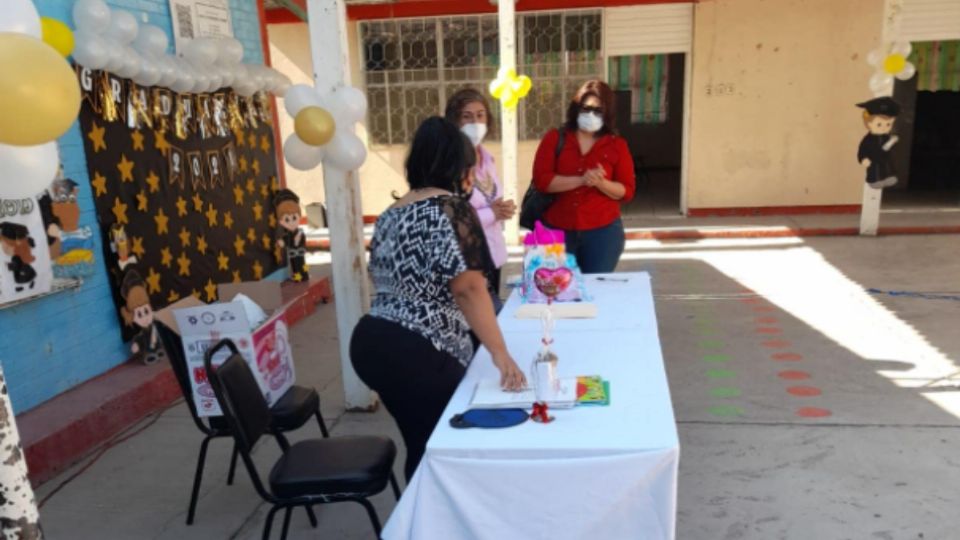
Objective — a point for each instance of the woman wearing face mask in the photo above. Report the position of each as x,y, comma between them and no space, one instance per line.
591,177
469,110
429,264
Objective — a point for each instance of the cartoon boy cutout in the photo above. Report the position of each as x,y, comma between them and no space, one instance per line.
16,243
874,153
138,312
291,239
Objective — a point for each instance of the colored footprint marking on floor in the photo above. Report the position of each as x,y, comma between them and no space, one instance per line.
725,392
787,357
721,373
776,344
804,391
813,412
711,344
725,410
793,375
716,358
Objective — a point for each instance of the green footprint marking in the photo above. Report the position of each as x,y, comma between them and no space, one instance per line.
725,392
725,410
711,344
720,373
716,358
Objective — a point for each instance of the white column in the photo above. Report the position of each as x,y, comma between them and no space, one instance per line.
18,515
327,20
872,198
508,117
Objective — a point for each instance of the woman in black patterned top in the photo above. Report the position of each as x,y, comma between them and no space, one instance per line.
429,264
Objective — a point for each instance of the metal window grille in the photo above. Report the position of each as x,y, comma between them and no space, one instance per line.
412,66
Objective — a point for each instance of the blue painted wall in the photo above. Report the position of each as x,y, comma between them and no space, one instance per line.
54,343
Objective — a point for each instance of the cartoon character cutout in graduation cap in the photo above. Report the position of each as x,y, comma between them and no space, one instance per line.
291,239
138,312
879,115
16,243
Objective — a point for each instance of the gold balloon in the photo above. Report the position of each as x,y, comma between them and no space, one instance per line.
39,92
57,35
314,126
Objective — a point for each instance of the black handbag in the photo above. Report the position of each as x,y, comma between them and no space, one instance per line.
535,202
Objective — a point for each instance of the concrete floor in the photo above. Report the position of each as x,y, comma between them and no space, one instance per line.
807,407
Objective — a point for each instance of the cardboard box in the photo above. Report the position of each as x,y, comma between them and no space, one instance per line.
266,348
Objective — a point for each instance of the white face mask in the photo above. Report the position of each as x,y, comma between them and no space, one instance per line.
590,122
475,132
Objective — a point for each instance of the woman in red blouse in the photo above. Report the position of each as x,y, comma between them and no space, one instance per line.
591,177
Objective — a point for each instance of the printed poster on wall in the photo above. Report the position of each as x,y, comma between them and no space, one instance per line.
199,18
24,256
266,350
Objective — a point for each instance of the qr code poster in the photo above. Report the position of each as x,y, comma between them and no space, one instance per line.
199,18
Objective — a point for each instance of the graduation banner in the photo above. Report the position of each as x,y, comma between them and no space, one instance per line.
183,186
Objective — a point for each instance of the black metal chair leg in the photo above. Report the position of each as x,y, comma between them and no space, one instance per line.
374,520
269,523
197,478
233,464
323,426
393,484
311,515
286,523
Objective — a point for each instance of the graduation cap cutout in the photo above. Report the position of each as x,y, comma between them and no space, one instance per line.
884,106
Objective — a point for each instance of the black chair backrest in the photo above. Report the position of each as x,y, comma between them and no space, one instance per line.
239,395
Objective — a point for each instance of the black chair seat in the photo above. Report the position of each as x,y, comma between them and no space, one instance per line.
294,408
352,464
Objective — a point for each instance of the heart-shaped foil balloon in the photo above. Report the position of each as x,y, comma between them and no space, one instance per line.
552,281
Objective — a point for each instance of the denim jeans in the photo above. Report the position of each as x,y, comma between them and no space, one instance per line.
597,250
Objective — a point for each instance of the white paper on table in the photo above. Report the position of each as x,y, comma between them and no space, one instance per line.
489,395
255,314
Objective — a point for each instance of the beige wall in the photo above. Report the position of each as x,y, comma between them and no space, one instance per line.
787,133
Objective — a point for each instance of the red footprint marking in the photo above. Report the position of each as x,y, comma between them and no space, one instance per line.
804,391
813,412
787,357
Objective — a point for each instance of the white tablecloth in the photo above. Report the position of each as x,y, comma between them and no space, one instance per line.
596,472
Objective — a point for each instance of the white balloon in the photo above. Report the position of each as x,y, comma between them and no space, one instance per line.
150,73
151,40
131,64
874,57
184,82
20,16
281,84
230,51
91,16
346,151
300,155
117,59
349,103
168,71
201,51
902,48
300,96
907,73
123,26
226,76
90,50
27,170
881,83
201,81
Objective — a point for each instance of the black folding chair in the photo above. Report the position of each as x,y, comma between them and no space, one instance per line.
290,412
310,472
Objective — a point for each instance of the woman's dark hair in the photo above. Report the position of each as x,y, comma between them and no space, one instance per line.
460,100
601,91
440,156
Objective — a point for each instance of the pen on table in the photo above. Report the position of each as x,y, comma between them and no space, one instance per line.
621,280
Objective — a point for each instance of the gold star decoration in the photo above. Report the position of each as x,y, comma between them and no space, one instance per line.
137,248
239,244
142,201
251,187
126,168
228,219
257,211
137,139
161,220
211,290
96,137
184,264
181,206
99,184
238,195
264,191
297,277
242,164
264,143
252,140
257,270
197,203
236,276
202,245
277,253
196,294
173,296
120,211
166,257
184,237
273,221
265,239
160,142
241,140
256,167
223,262
153,181
212,216
251,235
153,281
274,184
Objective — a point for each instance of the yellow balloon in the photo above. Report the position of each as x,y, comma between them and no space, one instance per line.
894,63
314,125
39,93
57,35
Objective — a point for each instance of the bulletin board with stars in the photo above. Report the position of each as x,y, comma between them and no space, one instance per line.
183,186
